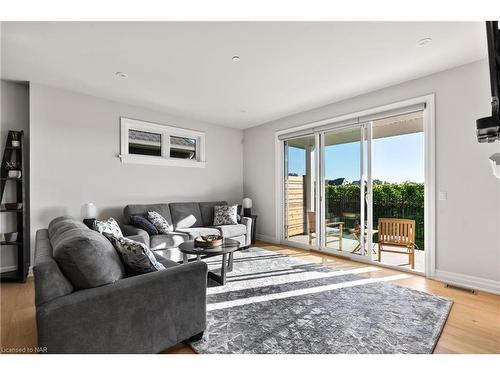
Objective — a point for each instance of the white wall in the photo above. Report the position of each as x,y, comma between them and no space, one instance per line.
14,116
468,223
75,140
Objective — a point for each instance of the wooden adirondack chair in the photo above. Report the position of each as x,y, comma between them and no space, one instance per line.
399,236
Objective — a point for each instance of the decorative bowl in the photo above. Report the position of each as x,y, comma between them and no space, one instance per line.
208,241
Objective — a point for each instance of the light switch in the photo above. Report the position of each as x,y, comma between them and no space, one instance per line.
442,196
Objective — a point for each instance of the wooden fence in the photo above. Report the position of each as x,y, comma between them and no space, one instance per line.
295,205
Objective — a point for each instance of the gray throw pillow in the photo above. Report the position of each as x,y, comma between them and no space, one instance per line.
225,215
159,222
136,256
109,226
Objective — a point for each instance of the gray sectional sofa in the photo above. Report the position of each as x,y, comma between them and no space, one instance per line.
188,220
85,303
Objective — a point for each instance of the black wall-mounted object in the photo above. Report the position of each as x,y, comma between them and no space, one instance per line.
488,128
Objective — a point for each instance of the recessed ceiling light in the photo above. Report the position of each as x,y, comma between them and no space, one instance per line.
424,42
236,58
121,74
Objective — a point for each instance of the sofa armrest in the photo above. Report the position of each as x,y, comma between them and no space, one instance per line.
139,314
247,221
131,231
138,238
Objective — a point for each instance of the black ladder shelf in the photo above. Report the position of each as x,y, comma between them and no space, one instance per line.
14,157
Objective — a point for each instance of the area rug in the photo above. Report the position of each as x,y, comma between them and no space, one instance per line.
274,303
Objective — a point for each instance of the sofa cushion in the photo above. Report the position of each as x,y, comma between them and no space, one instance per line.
50,282
136,256
195,232
207,212
87,258
62,224
138,238
167,263
142,210
168,241
186,215
225,215
174,254
109,226
54,223
144,224
161,224
232,230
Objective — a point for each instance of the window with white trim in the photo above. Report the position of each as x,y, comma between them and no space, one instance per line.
145,142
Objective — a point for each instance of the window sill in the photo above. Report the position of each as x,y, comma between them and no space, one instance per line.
138,159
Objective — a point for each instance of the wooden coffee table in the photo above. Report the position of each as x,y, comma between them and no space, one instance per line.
227,250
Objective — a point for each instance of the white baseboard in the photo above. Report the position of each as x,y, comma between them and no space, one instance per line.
266,238
8,268
458,279
13,268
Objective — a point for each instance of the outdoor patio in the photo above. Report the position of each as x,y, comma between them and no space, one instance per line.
349,245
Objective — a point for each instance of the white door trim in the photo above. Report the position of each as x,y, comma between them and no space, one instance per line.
430,169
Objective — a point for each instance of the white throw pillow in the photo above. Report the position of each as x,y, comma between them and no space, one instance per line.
136,256
159,222
109,226
225,215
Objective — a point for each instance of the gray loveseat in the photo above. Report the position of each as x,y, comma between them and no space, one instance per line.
85,303
188,220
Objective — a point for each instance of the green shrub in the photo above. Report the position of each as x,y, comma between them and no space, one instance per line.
405,200
408,193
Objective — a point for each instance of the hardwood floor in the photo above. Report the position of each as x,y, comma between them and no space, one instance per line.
472,327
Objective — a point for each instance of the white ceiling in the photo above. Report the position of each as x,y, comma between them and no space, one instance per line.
185,68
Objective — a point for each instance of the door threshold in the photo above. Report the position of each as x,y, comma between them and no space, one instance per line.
360,259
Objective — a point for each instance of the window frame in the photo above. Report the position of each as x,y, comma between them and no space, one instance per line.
166,132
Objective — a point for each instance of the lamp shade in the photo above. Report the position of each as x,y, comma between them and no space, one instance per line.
89,211
247,203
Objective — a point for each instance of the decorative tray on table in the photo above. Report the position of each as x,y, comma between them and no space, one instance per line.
208,241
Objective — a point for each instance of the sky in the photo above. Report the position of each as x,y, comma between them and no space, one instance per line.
395,159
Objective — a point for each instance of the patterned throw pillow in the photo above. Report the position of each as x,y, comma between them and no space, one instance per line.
136,256
109,226
143,223
159,222
225,215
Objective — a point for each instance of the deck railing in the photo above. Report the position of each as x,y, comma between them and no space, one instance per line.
341,209
402,201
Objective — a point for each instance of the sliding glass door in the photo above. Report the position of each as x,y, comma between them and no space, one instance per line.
399,191
358,189
300,213
331,216
344,189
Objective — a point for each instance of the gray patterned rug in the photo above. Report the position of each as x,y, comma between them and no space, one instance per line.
273,303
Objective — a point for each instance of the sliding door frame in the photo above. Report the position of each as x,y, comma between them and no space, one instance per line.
364,183
282,170
351,119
